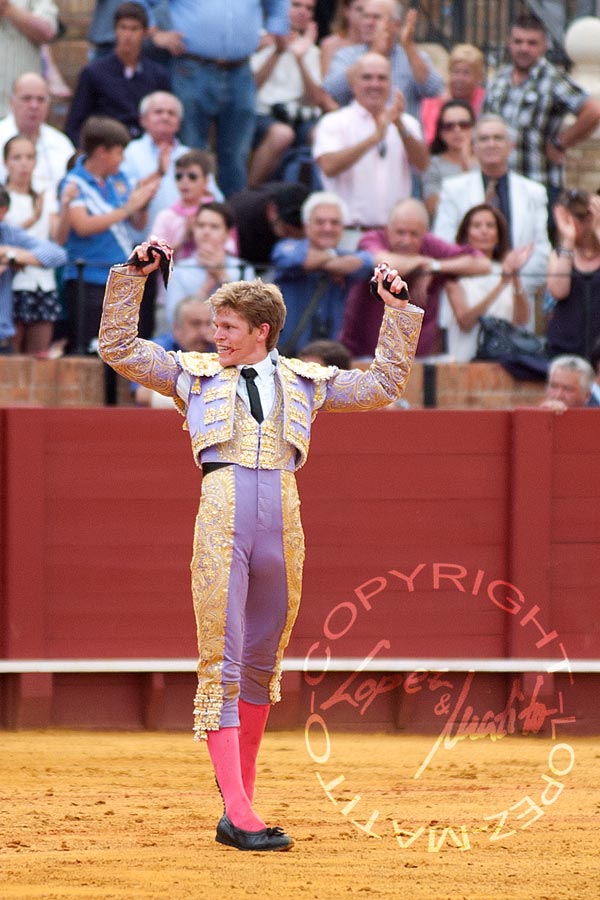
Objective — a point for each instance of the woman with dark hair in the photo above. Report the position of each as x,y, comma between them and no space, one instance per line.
451,150
574,275
500,294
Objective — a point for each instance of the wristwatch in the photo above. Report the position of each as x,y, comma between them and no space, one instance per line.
435,266
9,258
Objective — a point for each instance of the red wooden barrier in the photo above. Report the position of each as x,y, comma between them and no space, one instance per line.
430,534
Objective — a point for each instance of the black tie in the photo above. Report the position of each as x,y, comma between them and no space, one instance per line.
255,404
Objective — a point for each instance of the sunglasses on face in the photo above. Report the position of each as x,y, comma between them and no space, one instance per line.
193,176
450,126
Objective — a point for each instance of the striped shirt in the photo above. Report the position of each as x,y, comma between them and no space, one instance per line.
18,53
535,110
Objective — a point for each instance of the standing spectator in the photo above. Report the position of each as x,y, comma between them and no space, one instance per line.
407,245
30,104
266,214
211,265
346,30
115,84
569,384
451,150
213,78
365,150
24,26
499,293
521,200
162,42
533,97
36,303
19,249
574,275
388,29
290,98
315,275
97,203
465,77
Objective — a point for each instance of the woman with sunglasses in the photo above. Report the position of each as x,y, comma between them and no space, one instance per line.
499,294
574,275
451,150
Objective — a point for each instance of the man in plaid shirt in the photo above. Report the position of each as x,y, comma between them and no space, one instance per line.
533,96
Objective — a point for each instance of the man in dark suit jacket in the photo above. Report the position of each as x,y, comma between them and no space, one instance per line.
114,85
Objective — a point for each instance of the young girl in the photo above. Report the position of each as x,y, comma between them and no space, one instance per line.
36,303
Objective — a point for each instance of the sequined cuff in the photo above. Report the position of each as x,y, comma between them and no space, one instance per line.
144,362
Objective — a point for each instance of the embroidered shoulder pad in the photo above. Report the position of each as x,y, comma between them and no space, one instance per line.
199,363
313,371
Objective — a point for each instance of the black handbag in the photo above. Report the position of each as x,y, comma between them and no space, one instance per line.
499,339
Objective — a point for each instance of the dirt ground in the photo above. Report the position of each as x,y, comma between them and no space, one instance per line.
109,816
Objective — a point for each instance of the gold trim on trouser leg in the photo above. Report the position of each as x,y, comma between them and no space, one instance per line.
211,566
293,552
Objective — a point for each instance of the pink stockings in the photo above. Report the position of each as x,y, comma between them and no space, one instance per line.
233,752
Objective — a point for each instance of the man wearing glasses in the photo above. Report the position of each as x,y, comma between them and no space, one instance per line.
521,200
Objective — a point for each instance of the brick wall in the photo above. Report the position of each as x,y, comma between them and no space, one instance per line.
79,381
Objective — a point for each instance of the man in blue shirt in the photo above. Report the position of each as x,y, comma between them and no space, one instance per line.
315,276
17,249
213,79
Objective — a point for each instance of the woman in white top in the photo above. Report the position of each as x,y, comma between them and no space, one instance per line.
498,294
36,303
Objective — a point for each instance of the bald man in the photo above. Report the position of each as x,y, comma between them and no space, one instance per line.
425,262
365,150
30,104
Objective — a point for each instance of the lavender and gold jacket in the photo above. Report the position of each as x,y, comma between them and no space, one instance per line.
220,427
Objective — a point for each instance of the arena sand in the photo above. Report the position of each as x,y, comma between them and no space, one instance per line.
114,816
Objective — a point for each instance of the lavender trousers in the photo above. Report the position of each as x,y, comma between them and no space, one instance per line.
246,584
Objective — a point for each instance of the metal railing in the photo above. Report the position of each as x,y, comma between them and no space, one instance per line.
486,23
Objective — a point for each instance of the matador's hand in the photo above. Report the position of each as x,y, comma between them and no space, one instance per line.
149,256
390,287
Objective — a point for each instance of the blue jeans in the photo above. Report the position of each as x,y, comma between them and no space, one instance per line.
227,98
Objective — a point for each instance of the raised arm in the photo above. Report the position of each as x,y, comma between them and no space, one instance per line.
385,379
138,360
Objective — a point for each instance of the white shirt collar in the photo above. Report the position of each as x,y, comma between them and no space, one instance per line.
264,369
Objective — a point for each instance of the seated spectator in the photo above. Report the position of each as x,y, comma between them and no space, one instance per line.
157,151
193,330
365,150
17,250
426,263
465,77
326,353
290,99
210,266
574,275
314,275
451,150
522,202
114,85
36,303
30,105
346,30
500,294
97,202
175,225
388,29
569,384
265,215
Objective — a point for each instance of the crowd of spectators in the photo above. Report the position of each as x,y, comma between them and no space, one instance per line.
231,130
